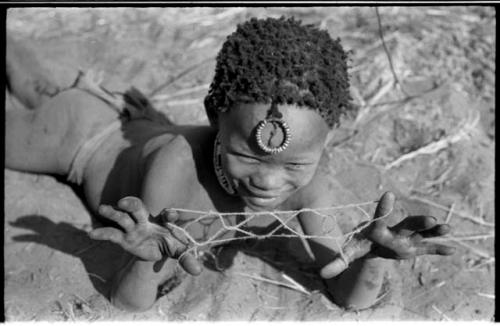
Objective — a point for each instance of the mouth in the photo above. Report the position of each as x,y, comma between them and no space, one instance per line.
259,200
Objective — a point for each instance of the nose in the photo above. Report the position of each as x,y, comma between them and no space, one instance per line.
267,179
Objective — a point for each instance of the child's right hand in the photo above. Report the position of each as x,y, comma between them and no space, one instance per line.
146,240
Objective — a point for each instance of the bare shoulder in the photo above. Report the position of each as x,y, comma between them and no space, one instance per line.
164,148
170,169
324,189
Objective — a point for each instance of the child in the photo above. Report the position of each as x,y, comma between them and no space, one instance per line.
275,100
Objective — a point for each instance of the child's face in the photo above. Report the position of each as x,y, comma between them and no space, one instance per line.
263,180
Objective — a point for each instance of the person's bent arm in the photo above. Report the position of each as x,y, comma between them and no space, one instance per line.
355,277
359,284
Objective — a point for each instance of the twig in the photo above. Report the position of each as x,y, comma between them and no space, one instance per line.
263,279
437,286
441,313
370,101
380,93
71,313
295,283
229,13
477,251
484,263
183,102
474,219
463,132
486,295
450,213
440,179
163,97
381,297
180,75
381,34
92,246
474,237
97,277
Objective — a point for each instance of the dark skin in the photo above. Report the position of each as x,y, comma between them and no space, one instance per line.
149,168
142,236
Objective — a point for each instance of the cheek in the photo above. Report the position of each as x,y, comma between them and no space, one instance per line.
234,169
302,178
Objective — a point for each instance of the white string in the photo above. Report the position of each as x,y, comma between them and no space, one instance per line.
283,217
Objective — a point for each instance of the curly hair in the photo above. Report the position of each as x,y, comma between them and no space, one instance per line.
283,62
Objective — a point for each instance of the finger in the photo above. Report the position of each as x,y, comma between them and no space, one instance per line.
190,264
110,234
436,249
134,206
436,231
168,216
413,224
350,252
122,219
384,207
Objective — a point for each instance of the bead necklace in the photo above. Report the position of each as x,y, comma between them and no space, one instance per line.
219,172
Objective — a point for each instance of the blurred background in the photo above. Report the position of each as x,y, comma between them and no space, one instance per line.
424,127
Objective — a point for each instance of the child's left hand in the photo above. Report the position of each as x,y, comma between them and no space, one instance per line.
404,240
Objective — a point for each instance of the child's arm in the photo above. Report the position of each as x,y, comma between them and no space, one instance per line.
360,284
355,277
136,285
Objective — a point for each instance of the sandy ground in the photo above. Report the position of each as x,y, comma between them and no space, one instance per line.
53,271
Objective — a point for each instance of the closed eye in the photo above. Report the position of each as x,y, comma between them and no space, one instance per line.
297,166
246,158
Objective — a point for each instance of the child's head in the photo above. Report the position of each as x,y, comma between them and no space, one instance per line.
284,62
279,89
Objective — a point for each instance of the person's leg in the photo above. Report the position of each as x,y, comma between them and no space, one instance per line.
45,140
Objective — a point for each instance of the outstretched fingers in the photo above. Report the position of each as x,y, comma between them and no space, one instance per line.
436,231
413,224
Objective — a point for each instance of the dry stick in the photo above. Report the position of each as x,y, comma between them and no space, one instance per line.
183,102
486,262
163,97
378,95
474,219
295,283
180,75
475,250
381,34
92,246
97,277
441,313
440,179
474,237
486,295
463,132
450,214
263,279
